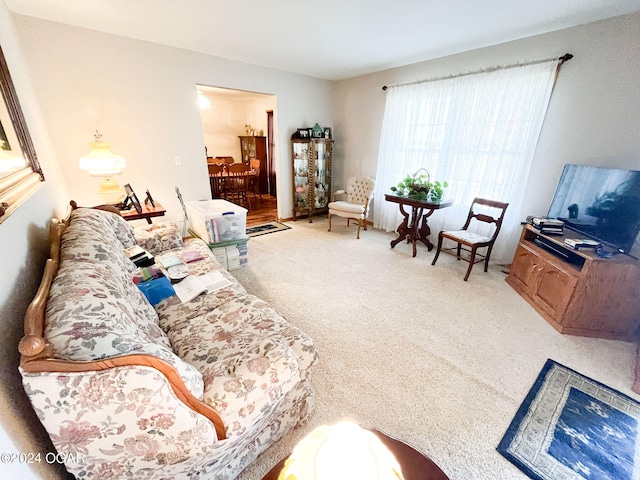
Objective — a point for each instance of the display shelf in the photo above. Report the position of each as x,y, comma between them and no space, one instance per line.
311,167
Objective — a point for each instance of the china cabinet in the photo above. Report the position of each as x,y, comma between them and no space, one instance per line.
256,147
311,158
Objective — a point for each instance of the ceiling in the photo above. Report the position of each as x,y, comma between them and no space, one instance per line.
330,39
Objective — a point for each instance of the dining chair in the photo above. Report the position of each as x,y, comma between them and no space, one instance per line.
238,184
216,180
254,179
469,240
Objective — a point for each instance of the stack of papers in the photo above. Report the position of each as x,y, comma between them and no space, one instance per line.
193,285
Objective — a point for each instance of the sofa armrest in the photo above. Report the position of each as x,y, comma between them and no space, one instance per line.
170,374
120,422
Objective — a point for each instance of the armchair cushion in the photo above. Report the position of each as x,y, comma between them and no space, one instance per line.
353,209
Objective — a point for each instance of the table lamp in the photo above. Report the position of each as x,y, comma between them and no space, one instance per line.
341,452
101,162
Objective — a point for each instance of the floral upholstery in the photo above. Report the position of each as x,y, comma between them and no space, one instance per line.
468,236
158,237
231,350
121,228
111,317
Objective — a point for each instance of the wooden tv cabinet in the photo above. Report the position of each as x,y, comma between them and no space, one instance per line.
577,292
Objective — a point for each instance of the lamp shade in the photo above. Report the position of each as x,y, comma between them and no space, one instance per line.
344,451
101,162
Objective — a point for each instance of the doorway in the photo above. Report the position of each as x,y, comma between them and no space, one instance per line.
227,116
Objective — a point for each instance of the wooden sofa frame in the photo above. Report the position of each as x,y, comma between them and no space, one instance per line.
38,356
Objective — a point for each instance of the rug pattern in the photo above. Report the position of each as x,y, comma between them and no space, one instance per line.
265,228
571,427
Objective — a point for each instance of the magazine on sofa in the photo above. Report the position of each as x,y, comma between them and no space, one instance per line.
194,285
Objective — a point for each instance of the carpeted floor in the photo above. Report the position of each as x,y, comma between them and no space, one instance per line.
411,348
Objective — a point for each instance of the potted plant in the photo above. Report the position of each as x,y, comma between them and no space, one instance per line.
420,187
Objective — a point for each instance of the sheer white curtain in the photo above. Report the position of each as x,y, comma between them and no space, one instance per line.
477,131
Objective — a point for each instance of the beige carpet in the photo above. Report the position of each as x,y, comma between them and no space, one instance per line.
411,348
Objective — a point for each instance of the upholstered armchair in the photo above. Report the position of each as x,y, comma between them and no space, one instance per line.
359,192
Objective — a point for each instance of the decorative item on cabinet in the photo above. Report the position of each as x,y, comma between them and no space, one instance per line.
311,168
318,131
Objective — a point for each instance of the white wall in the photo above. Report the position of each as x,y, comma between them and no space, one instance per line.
142,97
24,242
593,117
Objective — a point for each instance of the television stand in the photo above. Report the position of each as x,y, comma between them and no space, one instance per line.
576,291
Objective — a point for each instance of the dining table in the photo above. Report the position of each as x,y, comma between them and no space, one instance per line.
232,185
414,227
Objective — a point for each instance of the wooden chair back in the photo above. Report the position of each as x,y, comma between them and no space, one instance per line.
216,180
485,218
238,184
254,164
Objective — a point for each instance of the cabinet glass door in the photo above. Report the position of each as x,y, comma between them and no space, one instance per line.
301,175
322,158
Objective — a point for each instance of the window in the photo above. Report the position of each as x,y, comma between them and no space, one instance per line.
476,131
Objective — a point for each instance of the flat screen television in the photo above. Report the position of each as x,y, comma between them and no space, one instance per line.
600,203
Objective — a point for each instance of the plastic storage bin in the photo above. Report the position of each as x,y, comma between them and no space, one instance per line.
217,221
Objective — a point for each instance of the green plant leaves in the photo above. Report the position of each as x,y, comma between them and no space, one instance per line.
418,186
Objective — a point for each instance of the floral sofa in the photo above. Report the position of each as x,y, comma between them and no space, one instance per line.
180,390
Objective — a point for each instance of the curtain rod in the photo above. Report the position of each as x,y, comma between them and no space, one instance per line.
562,59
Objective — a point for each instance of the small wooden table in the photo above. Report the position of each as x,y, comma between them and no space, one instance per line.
414,465
148,211
411,228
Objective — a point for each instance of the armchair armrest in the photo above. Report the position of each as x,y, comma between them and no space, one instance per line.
336,193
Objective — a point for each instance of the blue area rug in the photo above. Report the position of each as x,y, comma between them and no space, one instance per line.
572,427
265,228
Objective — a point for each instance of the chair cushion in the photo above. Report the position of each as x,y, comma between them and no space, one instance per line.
466,236
340,207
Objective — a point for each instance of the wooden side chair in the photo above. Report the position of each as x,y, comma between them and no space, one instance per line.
470,241
254,179
238,184
357,205
217,180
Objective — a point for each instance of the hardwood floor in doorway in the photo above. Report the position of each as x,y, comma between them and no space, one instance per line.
262,211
